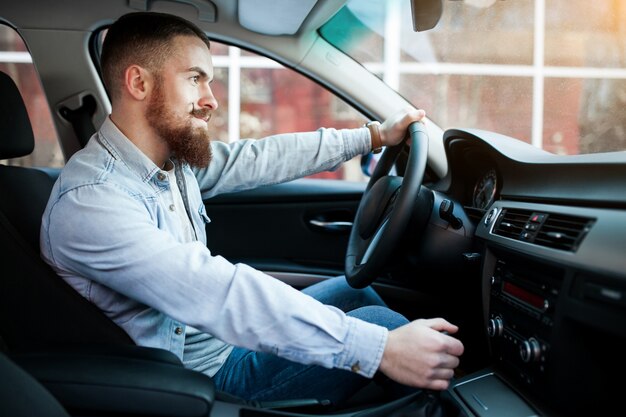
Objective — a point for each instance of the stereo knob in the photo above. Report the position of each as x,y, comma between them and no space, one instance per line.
495,327
530,350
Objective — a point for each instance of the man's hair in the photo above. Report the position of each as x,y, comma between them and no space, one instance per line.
144,39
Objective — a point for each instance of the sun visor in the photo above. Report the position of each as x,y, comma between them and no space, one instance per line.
276,17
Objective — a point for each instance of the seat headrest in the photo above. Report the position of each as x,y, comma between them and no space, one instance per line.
16,132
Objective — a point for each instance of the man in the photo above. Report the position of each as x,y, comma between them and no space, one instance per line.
125,227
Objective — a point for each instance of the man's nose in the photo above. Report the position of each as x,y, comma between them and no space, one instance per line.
208,100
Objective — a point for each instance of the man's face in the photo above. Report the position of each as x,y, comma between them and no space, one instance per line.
182,102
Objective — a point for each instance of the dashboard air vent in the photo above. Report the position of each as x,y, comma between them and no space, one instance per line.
511,223
563,232
553,230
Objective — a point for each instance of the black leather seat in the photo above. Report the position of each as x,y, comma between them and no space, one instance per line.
24,396
38,309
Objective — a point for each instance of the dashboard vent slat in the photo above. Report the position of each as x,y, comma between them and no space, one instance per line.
563,232
553,230
511,223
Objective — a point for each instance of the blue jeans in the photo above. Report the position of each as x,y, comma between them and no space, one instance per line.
265,377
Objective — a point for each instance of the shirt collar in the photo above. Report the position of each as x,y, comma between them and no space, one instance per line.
125,151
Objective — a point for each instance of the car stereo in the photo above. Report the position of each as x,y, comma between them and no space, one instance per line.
521,321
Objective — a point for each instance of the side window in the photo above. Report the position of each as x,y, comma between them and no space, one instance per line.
259,97
15,60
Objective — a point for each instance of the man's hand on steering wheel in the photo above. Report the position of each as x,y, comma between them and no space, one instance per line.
393,130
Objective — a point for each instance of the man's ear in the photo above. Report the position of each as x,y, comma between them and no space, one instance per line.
137,82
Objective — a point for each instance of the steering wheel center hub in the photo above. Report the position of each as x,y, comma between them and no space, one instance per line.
377,205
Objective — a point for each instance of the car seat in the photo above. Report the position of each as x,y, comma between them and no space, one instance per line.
24,396
38,310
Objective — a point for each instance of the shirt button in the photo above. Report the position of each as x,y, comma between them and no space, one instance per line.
172,207
179,330
356,367
161,176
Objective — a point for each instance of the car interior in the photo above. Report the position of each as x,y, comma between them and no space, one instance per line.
523,248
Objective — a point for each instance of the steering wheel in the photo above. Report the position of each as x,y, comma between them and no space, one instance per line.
385,210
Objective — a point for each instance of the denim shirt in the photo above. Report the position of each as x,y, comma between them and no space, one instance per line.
110,231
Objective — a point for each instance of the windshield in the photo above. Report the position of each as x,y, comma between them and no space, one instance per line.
550,73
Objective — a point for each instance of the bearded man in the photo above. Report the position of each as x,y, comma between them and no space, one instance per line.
125,227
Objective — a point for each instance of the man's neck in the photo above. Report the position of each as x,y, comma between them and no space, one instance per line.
143,137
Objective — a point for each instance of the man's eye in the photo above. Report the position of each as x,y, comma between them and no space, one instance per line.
195,79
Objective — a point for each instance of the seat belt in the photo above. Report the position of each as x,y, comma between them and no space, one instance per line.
80,118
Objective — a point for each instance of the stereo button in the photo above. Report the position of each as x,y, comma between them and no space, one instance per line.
530,350
495,327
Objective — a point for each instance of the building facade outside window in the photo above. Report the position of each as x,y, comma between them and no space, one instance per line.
551,72
15,60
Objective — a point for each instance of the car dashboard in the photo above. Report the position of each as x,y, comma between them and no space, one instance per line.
552,232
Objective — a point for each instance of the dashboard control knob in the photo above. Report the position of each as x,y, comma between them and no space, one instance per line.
491,216
530,350
495,327
446,212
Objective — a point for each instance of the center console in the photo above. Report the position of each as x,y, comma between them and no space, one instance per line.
555,334
521,321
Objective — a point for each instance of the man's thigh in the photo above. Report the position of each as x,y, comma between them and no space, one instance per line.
262,376
337,292
266,377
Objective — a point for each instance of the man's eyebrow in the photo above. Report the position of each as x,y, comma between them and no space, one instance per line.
200,71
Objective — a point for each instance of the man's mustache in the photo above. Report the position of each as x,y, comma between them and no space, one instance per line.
202,113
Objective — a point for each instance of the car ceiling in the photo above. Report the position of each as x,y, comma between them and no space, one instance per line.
275,17
284,30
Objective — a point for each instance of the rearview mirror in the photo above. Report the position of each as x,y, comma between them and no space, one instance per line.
425,14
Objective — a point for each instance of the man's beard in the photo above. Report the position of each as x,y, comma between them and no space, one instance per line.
187,144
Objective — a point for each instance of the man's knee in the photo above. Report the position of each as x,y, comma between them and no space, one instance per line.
383,316
338,293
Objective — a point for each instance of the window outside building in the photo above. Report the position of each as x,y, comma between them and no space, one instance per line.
17,63
550,72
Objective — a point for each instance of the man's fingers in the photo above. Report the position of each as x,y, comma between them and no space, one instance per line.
441,325
450,362
442,373
455,347
438,384
414,115
393,130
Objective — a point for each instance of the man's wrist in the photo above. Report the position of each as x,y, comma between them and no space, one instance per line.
364,347
374,128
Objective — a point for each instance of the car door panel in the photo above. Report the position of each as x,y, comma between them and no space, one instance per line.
296,229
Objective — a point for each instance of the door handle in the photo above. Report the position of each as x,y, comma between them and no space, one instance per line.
331,226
